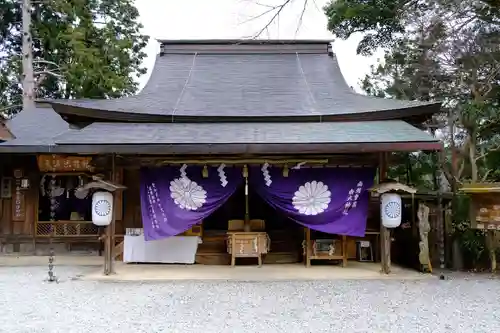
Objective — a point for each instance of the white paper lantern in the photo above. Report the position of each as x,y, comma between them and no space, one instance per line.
391,210
102,208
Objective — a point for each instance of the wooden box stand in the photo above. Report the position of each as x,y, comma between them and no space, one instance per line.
337,250
247,245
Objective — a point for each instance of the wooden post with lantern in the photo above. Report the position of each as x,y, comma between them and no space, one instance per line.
391,212
103,214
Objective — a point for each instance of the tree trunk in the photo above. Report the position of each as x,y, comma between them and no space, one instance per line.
472,157
27,63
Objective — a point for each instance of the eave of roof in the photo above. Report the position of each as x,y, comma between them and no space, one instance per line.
239,138
5,133
232,138
35,127
242,41
224,149
243,80
396,131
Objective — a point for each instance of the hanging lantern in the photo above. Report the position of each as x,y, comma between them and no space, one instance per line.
286,170
391,210
102,208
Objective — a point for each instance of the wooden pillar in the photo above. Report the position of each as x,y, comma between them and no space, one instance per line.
440,221
490,243
109,243
385,234
308,247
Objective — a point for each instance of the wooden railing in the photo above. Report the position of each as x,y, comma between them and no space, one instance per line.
66,229
118,252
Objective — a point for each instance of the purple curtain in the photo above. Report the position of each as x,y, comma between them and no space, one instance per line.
330,200
174,198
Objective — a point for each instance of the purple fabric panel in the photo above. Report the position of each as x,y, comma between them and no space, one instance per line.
330,200
174,198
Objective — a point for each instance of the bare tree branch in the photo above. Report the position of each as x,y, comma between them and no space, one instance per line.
316,5
3,109
47,72
485,176
278,10
299,24
271,8
486,153
45,62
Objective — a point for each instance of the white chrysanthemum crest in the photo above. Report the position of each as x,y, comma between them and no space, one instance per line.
187,194
312,198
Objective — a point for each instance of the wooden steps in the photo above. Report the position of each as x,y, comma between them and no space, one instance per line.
213,251
225,259
213,258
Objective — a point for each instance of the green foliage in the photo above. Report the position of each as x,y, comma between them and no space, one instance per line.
443,50
436,50
415,169
94,45
380,21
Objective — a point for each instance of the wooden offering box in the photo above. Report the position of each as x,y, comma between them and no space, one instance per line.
247,245
484,206
195,230
324,249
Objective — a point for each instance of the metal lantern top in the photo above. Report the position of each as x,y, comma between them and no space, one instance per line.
107,185
392,187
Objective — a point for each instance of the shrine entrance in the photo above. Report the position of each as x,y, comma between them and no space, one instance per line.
262,214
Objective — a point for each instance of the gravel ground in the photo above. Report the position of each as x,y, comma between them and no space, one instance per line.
460,304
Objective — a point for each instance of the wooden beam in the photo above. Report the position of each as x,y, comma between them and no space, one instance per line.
195,149
385,234
109,244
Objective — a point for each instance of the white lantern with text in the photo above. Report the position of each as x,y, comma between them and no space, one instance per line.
102,208
391,210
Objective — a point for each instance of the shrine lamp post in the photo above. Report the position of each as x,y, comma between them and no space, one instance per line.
104,215
391,212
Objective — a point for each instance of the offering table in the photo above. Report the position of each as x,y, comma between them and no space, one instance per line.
242,244
173,250
324,249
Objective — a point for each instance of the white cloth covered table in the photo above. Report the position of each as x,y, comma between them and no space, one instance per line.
172,250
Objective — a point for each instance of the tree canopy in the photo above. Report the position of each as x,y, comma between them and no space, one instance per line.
81,49
445,50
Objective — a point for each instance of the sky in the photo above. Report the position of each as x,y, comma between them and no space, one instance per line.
234,19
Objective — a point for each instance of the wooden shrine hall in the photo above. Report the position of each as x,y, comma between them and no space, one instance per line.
245,129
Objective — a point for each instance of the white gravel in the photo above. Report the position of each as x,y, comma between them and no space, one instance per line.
28,304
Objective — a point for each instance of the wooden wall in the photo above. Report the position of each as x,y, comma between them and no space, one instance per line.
18,213
131,202
25,202
23,223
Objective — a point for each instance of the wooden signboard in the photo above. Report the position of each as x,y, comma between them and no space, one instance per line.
18,203
485,211
58,163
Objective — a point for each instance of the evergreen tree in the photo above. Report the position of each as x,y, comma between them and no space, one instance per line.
445,50
81,49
